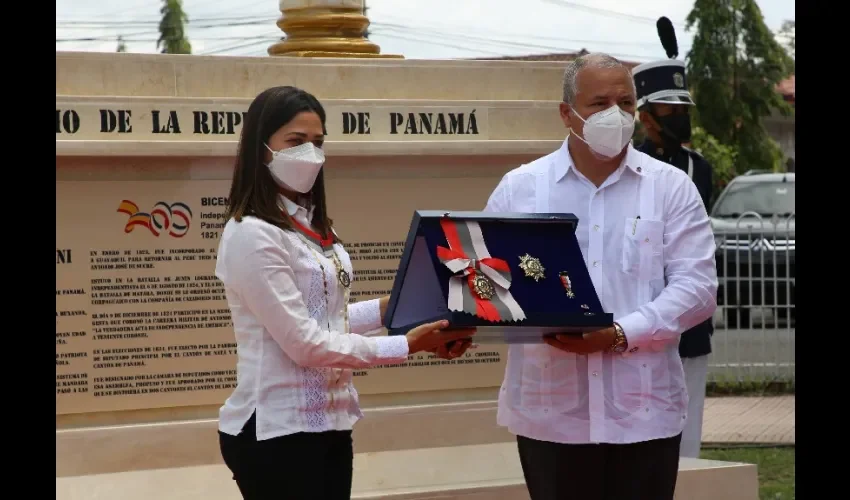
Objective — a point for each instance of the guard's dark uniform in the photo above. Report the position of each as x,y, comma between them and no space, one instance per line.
696,341
662,91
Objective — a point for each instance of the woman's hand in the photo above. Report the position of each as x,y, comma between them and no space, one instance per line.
430,336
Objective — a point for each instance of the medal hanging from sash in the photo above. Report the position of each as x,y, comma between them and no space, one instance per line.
327,246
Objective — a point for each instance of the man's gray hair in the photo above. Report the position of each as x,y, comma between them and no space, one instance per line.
593,60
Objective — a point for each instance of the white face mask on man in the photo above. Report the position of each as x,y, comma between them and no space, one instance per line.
608,131
296,168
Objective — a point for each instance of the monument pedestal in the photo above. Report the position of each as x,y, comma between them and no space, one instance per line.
457,452
145,352
486,472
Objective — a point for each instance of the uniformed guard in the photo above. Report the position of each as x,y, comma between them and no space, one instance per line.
663,104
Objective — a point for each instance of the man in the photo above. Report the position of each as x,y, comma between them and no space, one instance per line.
663,105
600,416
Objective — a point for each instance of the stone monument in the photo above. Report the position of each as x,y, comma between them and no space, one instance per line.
144,346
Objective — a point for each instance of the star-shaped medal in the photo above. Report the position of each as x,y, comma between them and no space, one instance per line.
532,267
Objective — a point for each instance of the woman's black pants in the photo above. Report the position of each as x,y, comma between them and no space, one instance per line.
302,466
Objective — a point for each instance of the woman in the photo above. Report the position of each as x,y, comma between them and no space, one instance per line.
285,432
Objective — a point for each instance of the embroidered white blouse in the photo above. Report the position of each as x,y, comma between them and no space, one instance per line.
294,360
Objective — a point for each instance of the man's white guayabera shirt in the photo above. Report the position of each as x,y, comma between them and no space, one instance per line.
647,241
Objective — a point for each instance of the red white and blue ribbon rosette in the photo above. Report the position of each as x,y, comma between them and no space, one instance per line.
481,284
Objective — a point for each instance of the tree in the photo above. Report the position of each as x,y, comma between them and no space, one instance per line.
734,66
122,47
788,32
721,158
172,33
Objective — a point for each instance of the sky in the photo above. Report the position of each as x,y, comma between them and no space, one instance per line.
416,29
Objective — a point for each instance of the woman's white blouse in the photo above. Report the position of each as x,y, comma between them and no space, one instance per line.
292,369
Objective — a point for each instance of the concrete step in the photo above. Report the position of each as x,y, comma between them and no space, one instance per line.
474,472
168,445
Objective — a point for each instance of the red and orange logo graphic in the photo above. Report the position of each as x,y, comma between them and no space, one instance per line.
174,219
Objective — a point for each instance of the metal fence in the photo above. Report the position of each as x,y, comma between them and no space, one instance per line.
755,330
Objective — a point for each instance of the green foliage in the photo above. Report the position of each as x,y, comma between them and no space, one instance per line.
722,158
639,134
734,66
789,33
759,387
776,468
172,34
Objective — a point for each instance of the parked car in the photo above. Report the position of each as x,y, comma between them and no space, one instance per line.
754,225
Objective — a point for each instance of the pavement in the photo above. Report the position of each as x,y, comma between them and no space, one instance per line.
763,353
749,420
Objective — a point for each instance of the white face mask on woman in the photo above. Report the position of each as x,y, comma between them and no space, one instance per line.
608,131
296,168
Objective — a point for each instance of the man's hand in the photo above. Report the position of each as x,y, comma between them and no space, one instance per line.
452,350
431,336
587,343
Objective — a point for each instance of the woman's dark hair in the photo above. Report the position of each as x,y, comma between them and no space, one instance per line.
253,190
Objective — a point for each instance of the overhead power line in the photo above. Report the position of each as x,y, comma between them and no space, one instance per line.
124,38
485,46
472,38
439,43
107,24
429,35
191,27
241,7
608,12
233,47
502,35
611,13
478,40
135,8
